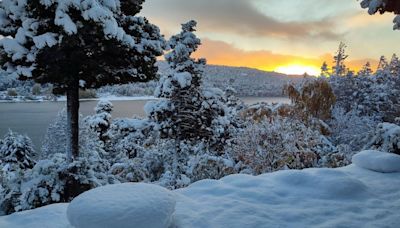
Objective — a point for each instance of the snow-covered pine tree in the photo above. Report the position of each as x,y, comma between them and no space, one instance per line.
383,65
394,65
383,6
101,121
78,44
339,68
366,70
16,152
55,138
188,111
181,115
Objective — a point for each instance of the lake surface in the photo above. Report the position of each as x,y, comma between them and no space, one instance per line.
33,118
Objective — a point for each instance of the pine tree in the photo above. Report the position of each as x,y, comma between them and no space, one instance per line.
16,152
55,138
78,44
394,65
383,65
189,111
324,70
101,121
339,67
383,6
366,70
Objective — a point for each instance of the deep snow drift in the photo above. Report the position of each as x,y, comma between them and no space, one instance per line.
352,196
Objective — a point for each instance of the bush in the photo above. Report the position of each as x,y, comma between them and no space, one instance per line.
314,99
36,89
12,92
87,94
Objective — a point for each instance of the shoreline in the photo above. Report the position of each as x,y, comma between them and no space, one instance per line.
64,99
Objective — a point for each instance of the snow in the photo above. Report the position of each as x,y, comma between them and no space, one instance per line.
378,161
123,205
52,216
47,39
351,196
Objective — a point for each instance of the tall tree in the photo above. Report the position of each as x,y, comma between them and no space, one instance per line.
78,44
394,65
188,111
339,69
382,65
366,70
324,70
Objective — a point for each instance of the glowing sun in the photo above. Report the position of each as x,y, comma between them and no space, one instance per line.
298,70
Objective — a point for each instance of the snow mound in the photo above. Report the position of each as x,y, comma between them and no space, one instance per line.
123,205
51,216
377,161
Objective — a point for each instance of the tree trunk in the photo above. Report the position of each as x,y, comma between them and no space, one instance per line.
73,121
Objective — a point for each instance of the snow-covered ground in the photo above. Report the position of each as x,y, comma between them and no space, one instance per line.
352,196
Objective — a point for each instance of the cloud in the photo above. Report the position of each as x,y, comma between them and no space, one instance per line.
222,53
238,17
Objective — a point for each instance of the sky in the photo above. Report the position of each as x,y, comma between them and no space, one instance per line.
288,36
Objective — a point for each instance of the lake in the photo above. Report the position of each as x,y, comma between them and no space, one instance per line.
33,118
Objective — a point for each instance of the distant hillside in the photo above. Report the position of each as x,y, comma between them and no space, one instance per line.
246,81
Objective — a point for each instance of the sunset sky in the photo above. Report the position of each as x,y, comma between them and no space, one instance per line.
279,35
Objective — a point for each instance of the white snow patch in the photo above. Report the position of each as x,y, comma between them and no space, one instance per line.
378,161
52,216
123,205
345,197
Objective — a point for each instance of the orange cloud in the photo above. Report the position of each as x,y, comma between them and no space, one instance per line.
222,53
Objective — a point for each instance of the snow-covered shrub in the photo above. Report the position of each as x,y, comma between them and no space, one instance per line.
55,139
16,152
314,98
210,167
375,96
12,92
385,138
101,121
36,89
16,158
10,189
280,143
55,179
350,131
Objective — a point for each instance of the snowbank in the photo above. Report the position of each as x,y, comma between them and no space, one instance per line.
123,206
52,216
378,161
351,196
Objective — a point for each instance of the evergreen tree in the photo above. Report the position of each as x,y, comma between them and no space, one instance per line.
366,70
101,121
383,65
189,111
394,65
78,44
16,152
324,70
383,6
339,68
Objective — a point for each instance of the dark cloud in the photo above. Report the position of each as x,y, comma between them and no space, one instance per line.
238,17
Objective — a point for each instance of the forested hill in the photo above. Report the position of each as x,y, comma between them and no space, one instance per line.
246,81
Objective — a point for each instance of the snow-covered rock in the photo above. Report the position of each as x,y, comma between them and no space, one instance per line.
123,205
377,161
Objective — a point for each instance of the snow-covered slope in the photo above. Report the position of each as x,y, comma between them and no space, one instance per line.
351,196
